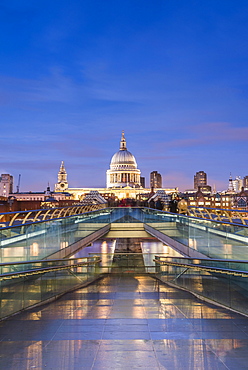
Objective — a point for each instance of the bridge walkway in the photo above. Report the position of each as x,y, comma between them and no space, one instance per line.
125,322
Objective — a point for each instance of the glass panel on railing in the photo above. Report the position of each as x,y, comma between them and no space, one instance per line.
214,239
23,292
224,284
39,240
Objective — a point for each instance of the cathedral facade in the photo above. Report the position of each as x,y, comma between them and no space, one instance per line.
122,178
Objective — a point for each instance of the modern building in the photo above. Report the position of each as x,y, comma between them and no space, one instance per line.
142,181
6,185
155,180
230,189
237,184
245,182
200,179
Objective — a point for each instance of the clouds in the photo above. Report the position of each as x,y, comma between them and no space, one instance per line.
223,131
73,76
51,89
210,134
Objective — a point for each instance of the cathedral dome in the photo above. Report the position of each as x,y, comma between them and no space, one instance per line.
123,168
123,159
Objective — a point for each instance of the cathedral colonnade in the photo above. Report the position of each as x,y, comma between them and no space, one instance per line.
124,177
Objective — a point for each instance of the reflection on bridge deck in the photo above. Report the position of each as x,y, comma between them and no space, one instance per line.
125,321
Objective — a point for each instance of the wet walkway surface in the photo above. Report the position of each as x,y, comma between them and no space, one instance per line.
125,322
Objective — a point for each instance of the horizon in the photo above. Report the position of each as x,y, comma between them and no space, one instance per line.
147,180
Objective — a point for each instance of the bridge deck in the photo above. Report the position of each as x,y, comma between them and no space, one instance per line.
125,321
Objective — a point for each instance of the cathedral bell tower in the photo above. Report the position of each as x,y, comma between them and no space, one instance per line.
62,183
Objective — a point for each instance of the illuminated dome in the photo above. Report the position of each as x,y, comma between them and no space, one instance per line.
123,159
123,168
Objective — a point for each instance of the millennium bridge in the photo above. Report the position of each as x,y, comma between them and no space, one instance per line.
87,287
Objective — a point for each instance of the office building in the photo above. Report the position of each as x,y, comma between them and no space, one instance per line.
142,181
237,184
155,180
200,179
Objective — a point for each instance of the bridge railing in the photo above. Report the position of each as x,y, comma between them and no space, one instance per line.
24,217
217,214
27,217
41,239
223,282
27,284
212,238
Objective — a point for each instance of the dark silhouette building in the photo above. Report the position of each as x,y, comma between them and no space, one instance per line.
245,182
155,180
142,181
200,179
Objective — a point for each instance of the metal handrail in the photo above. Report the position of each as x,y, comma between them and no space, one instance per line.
197,213
19,274
42,261
43,215
219,270
222,209
202,259
230,214
46,214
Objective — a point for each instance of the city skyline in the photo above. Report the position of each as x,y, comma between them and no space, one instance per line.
172,75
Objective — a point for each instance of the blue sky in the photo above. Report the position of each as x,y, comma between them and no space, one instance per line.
172,74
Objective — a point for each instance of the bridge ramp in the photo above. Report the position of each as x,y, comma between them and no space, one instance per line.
125,322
